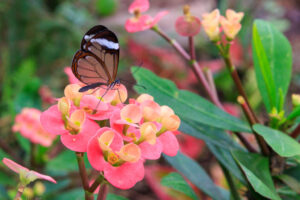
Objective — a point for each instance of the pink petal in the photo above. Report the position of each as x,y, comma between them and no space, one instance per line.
158,17
45,177
72,78
79,142
144,22
125,176
52,122
170,143
151,152
94,151
141,5
13,165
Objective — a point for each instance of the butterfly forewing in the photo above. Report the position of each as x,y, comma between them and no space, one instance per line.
98,59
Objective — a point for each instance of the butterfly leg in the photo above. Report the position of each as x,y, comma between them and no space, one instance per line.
108,88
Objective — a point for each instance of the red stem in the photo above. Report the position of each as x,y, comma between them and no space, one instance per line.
102,192
83,176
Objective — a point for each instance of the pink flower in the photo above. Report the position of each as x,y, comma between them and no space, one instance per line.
231,24
121,164
26,175
72,78
75,129
187,25
141,22
211,24
28,124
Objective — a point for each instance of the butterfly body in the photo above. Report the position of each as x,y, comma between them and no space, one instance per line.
96,63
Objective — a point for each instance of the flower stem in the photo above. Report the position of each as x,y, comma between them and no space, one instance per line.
83,176
295,132
262,144
19,192
208,86
102,192
96,183
233,190
33,149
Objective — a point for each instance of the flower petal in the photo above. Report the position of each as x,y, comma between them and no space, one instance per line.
78,142
151,152
125,176
52,122
170,143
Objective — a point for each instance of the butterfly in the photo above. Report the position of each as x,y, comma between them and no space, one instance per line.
96,63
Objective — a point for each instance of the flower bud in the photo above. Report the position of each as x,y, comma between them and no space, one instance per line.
105,140
64,106
171,123
75,122
210,24
296,100
144,97
148,132
231,24
131,113
39,188
72,92
187,25
130,153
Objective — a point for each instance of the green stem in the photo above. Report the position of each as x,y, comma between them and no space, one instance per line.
233,190
83,176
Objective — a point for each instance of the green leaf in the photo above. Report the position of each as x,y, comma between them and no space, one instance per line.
291,182
218,142
65,162
272,56
256,169
224,156
280,142
194,172
294,114
106,7
207,133
111,196
185,104
177,182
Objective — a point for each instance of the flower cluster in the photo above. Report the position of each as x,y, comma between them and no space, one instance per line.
28,124
140,22
230,24
117,137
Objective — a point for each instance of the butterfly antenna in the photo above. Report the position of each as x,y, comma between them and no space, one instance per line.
133,83
138,68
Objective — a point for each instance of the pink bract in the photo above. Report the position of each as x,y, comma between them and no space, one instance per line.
124,176
140,5
29,125
26,173
52,121
72,78
170,143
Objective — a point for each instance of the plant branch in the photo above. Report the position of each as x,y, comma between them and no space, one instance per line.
83,176
19,192
102,192
233,190
208,85
262,144
296,132
96,183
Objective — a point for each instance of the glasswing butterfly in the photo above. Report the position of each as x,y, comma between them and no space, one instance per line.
96,63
